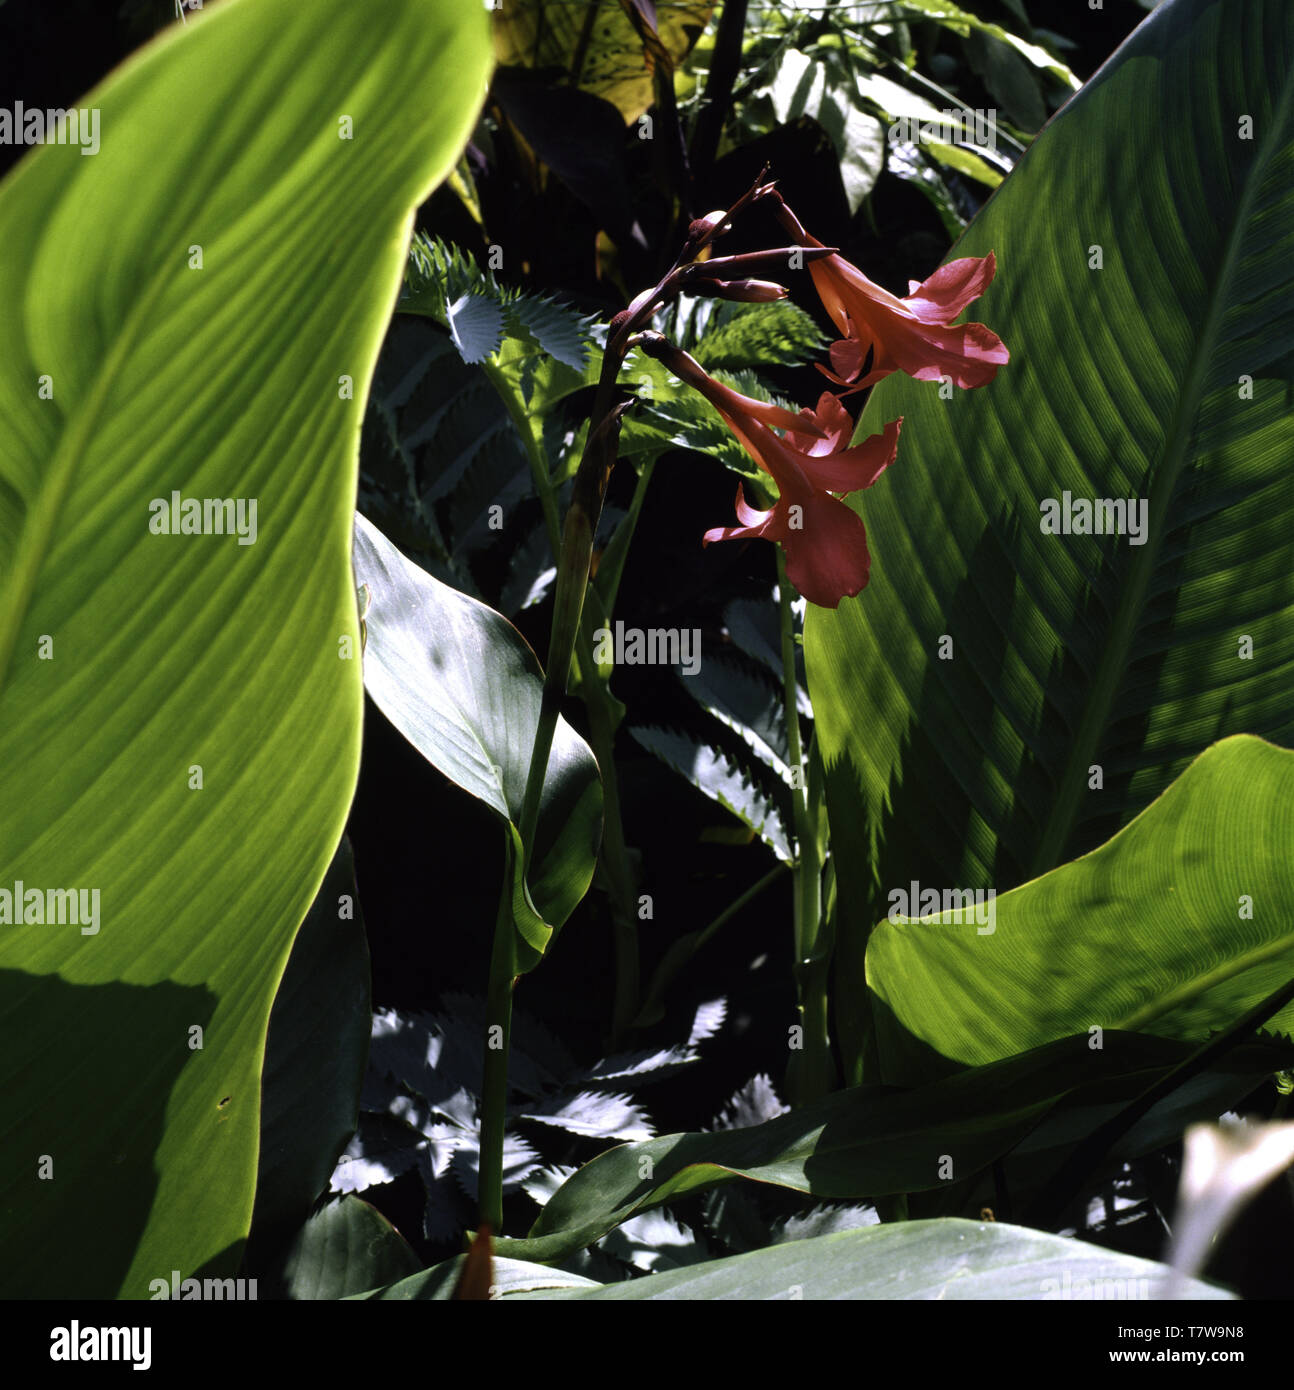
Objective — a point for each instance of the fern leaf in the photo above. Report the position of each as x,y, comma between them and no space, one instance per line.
476,325
742,694
738,336
593,1115
719,776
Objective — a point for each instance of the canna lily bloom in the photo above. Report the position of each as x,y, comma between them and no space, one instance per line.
885,334
825,542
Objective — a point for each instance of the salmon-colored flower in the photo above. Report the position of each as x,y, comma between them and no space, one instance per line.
883,333
824,541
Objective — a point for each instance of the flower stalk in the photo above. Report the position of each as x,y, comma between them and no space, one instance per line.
573,564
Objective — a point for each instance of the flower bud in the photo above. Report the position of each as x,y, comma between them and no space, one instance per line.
776,258
706,226
745,291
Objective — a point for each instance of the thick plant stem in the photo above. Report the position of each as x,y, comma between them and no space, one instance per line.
614,852
572,581
809,1074
573,576
597,702
498,1030
725,68
574,556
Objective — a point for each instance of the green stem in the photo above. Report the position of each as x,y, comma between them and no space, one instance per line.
526,426
494,1086
574,555
614,852
809,1074
593,691
573,559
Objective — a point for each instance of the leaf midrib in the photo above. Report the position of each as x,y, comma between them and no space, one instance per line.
1165,1002
1114,659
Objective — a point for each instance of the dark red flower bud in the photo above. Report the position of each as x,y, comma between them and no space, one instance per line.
706,226
775,258
745,291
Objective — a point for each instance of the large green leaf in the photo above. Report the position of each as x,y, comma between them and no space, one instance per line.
1176,927
315,1054
940,1260
460,683
129,659
1166,376
862,1143
947,1259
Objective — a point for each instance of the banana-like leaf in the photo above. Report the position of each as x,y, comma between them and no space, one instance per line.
461,684
862,1143
918,1260
192,313
1001,699
948,1259
1176,927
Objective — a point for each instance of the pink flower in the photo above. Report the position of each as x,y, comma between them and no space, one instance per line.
913,335
824,541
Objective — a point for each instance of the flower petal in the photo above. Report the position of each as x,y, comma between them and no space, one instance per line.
847,358
913,335
951,288
831,419
755,523
970,353
826,556
858,467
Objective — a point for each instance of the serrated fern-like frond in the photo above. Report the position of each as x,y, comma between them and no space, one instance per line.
758,335
734,779
444,282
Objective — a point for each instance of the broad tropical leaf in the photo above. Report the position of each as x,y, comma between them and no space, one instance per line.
189,752
861,1143
460,683
999,699
1176,927
596,43
948,1259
